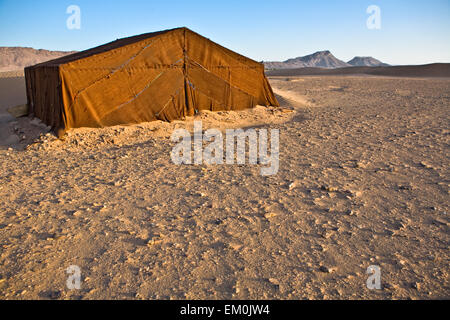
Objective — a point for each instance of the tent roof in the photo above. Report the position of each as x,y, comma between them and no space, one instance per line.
121,43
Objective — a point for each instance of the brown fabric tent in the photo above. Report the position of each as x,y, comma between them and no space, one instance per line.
164,75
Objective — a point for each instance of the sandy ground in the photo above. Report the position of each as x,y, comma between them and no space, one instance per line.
363,180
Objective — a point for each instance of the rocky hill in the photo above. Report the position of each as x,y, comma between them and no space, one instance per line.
366,62
320,59
17,58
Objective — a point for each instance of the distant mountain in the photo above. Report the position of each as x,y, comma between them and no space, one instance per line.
366,62
321,59
17,58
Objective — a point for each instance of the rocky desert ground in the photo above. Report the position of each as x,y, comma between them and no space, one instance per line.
363,180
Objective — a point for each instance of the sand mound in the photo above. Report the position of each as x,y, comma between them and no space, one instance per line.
117,136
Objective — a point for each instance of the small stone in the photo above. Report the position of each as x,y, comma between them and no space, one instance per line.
326,234
426,165
293,185
326,269
389,286
78,213
236,246
328,189
270,215
357,194
440,222
153,242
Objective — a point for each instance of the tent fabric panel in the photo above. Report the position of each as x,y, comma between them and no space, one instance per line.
119,43
43,92
211,54
92,70
250,81
223,94
30,84
175,108
239,71
119,88
269,98
125,98
160,52
241,100
210,85
158,95
164,52
205,102
109,59
152,52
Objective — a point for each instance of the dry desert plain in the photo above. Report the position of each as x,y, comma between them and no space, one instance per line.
363,180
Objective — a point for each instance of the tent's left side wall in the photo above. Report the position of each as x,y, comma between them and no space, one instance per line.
43,86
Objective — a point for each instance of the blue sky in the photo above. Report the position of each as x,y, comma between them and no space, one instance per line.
412,31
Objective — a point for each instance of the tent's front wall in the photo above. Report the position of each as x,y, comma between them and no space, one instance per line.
220,79
166,77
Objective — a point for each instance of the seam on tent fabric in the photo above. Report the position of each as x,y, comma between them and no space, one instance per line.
142,91
136,95
195,62
131,68
210,98
108,53
207,95
108,75
171,99
113,71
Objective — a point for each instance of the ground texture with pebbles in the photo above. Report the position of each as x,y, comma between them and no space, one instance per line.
363,180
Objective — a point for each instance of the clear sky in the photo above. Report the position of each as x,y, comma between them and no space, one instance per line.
412,31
